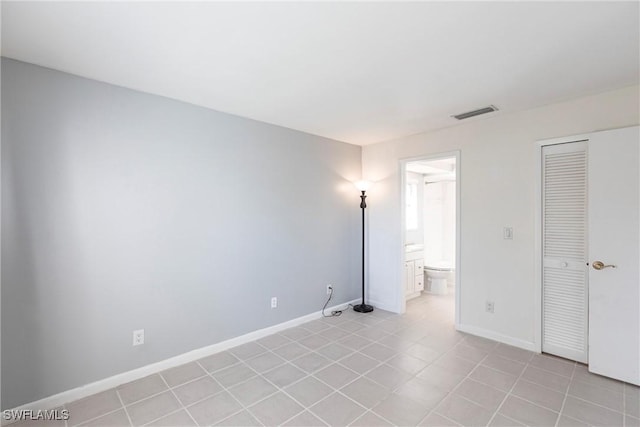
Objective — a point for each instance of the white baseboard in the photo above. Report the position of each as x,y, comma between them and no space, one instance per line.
381,305
108,383
486,333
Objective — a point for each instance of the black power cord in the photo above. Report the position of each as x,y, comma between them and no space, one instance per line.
334,313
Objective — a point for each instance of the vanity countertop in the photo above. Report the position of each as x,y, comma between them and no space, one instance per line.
413,247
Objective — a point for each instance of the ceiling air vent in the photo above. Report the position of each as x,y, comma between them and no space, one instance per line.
477,112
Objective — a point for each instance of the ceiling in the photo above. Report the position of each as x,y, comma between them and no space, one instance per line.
359,72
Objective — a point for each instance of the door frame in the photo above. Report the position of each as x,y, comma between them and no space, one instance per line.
538,226
401,250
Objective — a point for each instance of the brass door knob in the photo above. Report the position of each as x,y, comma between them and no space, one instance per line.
599,265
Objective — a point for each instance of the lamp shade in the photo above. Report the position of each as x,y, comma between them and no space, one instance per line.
362,185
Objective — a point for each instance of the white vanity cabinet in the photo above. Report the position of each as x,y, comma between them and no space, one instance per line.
414,273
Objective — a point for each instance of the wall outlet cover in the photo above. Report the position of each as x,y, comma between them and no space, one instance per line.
507,233
138,337
489,306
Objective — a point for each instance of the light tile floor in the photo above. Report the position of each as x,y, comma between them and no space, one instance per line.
374,369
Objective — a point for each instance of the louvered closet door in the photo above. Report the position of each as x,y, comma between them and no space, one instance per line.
564,275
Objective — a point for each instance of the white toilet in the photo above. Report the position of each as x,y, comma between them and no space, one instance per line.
437,276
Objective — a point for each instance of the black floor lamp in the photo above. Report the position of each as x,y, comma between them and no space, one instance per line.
363,186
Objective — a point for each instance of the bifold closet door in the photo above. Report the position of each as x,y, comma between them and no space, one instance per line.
564,271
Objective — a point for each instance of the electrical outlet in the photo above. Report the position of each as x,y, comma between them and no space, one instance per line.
488,306
329,289
274,302
138,337
507,233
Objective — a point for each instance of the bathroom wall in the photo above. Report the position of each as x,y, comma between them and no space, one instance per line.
439,222
497,176
123,210
417,235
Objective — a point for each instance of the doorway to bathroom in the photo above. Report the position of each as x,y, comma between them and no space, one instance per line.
430,228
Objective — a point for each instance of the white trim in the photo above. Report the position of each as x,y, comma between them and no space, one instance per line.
400,296
108,383
458,313
402,306
537,247
505,339
381,305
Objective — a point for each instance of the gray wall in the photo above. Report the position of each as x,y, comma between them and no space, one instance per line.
123,210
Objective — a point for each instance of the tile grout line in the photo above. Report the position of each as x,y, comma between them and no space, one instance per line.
449,353
452,391
336,390
449,392
530,381
415,376
566,394
308,375
624,405
181,408
95,418
224,388
595,404
509,393
135,402
124,407
176,397
207,373
397,334
282,390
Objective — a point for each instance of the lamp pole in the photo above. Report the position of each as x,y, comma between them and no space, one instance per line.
363,308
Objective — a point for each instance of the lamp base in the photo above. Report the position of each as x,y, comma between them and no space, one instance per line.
363,308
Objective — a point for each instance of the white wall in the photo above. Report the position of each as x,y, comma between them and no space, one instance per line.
439,223
497,171
417,235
